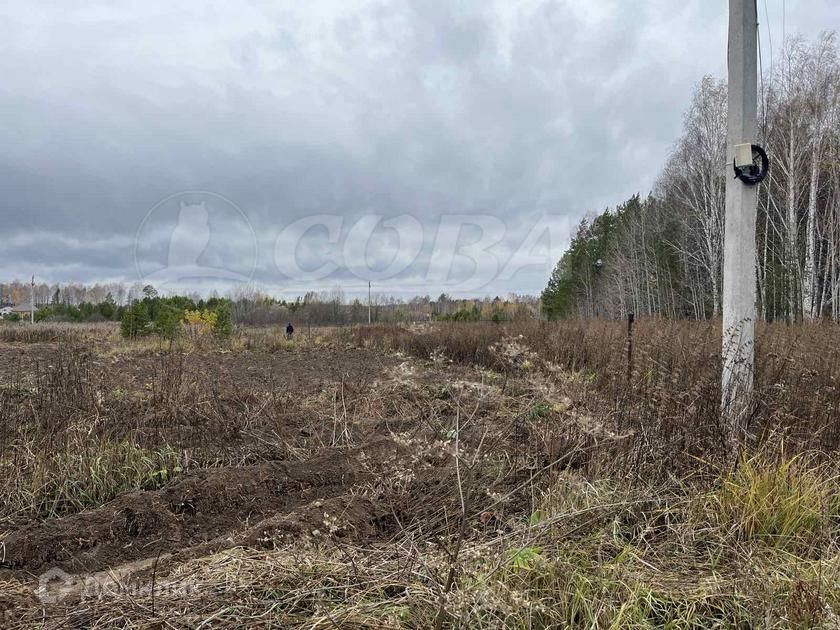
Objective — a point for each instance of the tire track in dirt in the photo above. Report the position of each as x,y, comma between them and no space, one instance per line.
206,511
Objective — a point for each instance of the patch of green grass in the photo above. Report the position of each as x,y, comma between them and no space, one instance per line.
524,559
538,410
440,392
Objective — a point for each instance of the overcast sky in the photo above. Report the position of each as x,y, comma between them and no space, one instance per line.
526,114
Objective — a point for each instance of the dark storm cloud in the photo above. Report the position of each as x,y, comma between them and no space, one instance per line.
426,108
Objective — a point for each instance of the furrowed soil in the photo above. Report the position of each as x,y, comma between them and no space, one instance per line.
301,444
211,508
338,481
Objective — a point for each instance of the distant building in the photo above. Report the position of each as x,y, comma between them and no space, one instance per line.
23,310
6,309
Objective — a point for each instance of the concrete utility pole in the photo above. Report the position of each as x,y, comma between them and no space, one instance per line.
369,321
32,301
739,275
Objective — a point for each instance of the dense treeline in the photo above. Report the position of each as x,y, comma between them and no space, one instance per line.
70,293
142,311
333,308
104,311
663,254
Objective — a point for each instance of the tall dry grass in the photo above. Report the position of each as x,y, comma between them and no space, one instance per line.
21,332
74,435
668,393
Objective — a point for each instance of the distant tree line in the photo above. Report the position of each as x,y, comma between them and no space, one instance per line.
141,310
150,314
495,310
332,308
663,254
71,293
56,311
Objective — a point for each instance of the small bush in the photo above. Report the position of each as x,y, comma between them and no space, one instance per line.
199,323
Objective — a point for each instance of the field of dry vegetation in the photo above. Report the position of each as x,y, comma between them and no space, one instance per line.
527,475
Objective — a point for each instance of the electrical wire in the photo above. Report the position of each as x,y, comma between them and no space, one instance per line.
761,70
784,20
769,36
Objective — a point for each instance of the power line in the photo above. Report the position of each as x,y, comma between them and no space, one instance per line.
769,35
784,19
761,69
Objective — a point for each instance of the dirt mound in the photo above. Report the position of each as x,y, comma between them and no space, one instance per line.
345,517
212,508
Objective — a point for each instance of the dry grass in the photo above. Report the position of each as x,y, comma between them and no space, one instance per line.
50,333
538,487
669,394
593,555
788,503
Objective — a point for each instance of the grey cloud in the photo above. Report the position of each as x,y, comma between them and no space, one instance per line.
291,109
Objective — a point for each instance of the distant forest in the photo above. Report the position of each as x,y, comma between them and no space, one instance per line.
141,309
663,254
